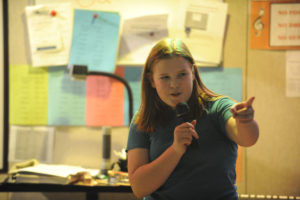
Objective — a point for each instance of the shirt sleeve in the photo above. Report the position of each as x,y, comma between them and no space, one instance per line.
137,139
222,111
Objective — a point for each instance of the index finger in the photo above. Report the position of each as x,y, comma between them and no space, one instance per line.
250,101
195,135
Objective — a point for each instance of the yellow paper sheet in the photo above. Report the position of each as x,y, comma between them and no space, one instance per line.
28,100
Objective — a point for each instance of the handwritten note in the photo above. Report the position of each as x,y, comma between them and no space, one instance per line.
66,105
95,40
28,98
50,32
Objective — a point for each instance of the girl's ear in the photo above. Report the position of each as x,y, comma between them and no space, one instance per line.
150,78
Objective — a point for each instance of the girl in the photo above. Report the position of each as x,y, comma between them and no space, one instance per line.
162,164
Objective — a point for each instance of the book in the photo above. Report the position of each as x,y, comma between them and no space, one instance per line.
48,173
33,178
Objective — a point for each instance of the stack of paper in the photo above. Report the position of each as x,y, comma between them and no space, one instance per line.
49,173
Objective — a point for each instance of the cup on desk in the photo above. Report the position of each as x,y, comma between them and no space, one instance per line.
123,165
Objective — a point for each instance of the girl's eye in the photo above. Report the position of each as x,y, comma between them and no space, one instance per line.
181,74
164,77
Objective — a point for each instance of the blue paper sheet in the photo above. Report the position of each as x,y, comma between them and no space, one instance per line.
95,40
67,98
133,76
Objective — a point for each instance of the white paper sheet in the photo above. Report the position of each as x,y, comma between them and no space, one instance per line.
57,170
285,24
139,36
202,29
27,142
50,33
293,73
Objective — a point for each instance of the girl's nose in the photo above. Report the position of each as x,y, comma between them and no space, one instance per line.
174,83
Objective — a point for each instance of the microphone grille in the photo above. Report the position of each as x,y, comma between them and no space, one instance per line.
182,109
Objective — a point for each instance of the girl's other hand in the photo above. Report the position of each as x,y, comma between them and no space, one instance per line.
243,112
183,135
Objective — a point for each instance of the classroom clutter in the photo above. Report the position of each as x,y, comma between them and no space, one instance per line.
32,171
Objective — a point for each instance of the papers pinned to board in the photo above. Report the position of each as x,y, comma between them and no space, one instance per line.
95,37
138,37
203,30
95,40
200,24
50,33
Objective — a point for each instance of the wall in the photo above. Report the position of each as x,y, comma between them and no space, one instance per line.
273,164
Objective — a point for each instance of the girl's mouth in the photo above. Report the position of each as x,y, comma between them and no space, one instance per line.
175,94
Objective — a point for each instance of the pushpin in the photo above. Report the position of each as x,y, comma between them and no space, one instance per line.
53,13
94,17
188,31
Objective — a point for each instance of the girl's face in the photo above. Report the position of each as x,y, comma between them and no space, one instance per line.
173,80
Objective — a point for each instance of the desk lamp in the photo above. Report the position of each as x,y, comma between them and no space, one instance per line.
80,72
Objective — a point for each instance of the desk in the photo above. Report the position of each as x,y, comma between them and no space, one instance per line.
91,191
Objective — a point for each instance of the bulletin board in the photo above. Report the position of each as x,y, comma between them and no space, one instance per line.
226,80
53,84
71,27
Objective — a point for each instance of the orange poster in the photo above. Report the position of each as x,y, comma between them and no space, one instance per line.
105,101
275,24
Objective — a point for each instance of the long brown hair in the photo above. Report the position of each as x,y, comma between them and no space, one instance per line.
153,111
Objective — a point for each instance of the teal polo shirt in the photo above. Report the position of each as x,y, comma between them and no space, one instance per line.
206,171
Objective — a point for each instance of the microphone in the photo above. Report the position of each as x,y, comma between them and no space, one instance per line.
182,113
